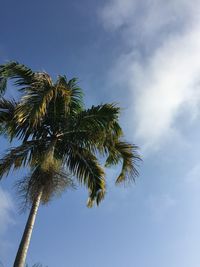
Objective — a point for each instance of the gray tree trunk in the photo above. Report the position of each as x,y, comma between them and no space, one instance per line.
23,247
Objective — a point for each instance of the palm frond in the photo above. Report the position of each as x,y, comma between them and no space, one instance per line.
3,85
7,110
91,128
13,70
8,122
68,100
60,99
76,103
19,156
34,105
98,117
84,165
127,153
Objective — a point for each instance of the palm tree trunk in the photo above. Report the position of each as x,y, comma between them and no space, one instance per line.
23,247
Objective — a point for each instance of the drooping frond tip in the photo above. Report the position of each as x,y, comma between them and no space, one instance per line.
130,159
126,154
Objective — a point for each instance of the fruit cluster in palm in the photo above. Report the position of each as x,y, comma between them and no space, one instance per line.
60,140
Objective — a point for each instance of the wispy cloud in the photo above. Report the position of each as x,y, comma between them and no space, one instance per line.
162,67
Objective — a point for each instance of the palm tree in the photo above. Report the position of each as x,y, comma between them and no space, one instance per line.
59,140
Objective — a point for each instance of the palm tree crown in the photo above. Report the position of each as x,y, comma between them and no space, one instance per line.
59,136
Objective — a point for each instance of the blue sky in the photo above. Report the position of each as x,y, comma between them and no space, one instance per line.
145,56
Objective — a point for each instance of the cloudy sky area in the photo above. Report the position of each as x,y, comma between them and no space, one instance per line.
145,56
161,67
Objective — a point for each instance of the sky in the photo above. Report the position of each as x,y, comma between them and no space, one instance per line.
144,55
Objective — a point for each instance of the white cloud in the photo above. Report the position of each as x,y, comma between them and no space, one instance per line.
168,84
163,73
148,16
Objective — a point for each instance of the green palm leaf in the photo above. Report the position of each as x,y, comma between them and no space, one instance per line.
22,75
7,110
3,84
23,155
84,165
34,104
128,155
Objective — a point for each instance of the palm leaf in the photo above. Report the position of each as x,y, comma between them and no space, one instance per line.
76,103
98,117
23,75
60,99
19,156
34,103
3,84
128,155
84,165
7,110
91,128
